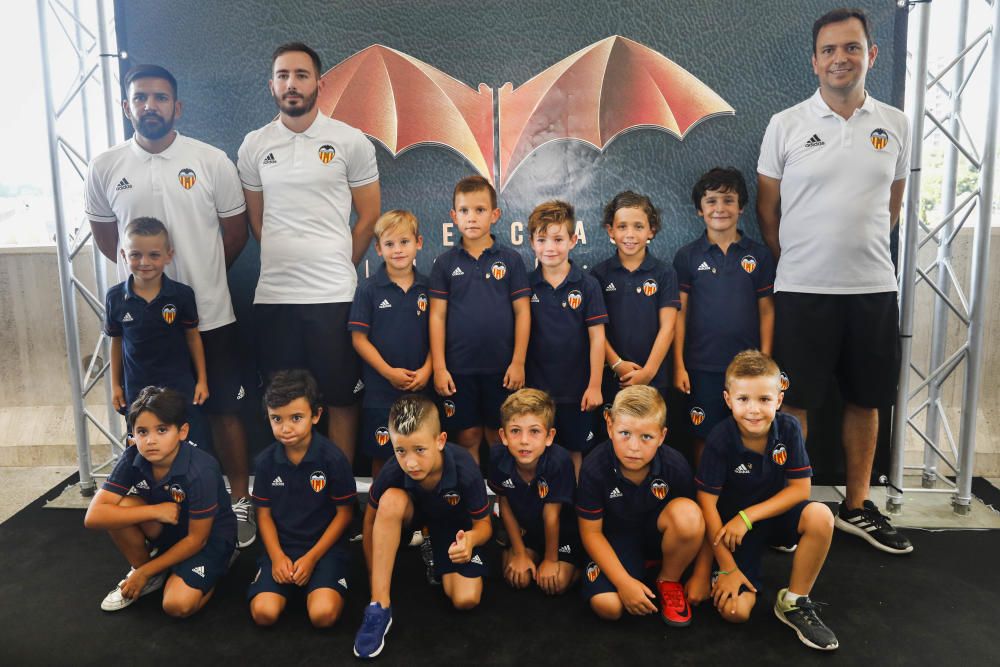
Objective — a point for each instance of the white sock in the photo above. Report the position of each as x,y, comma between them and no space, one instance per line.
791,598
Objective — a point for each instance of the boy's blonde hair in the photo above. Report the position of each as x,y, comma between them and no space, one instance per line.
753,364
553,212
528,402
412,412
396,219
640,401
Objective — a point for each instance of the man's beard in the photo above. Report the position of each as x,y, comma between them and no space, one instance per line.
153,126
305,105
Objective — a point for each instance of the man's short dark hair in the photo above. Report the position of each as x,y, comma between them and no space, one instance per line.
149,72
838,15
300,47
286,386
722,179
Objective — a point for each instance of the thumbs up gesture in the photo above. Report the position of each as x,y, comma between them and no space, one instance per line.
460,550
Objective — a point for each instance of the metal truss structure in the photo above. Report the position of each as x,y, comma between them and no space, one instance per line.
948,464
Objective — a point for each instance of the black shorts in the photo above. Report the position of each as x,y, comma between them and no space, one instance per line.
374,436
331,571
476,402
570,547
226,391
312,336
851,337
204,569
575,430
779,531
706,406
635,548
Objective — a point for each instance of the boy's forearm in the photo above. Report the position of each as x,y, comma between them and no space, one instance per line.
117,365
596,334
522,330
601,551
713,523
664,336
333,531
765,308
370,354
436,327
680,324
481,532
610,354
550,525
268,532
107,516
197,353
512,527
779,503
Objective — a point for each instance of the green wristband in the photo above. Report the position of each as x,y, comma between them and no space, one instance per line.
746,520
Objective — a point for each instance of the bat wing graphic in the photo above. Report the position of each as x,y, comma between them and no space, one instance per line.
402,102
596,94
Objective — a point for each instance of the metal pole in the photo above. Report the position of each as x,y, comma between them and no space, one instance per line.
87,485
979,283
939,332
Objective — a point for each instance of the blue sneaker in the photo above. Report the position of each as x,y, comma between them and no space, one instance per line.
370,639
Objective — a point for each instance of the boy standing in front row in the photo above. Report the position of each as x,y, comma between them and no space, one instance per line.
430,482
534,481
753,487
480,319
634,502
304,493
567,327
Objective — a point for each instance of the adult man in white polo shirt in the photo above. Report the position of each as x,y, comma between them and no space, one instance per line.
193,188
831,175
301,174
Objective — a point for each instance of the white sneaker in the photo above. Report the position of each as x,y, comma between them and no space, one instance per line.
114,600
416,539
246,523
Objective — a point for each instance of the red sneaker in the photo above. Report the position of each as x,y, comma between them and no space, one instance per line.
674,608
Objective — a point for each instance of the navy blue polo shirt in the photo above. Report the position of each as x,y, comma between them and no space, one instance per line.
458,499
741,477
634,300
559,347
194,481
722,316
304,498
554,482
396,324
479,337
154,345
605,493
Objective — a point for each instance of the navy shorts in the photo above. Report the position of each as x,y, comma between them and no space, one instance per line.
374,436
312,336
706,406
634,549
204,569
476,402
331,571
779,531
570,548
575,429
226,391
442,535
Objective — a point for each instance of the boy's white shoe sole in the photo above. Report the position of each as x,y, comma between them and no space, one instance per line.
114,601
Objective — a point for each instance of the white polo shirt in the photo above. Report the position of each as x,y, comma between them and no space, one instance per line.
835,178
188,187
306,178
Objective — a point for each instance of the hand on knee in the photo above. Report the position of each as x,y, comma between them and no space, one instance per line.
734,612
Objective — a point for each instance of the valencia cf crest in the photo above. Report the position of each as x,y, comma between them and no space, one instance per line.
574,299
879,138
593,571
177,493
499,270
784,381
649,287
543,488
169,313
421,303
187,178
452,498
327,153
749,263
449,408
659,488
381,436
697,415
317,481
779,455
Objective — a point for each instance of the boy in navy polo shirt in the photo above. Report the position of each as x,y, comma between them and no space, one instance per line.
304,493
167,510
726,282
480,319
640,293
634,503
753,488
567,326
388,324
534,481
153,324
430,482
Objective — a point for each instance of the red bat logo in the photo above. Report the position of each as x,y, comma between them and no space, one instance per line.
613,86
421,303
749,263
381,435
452,498
177,493
593,571
187,178
449,408
574,299
169,313
879,138
779,455
318,481
327,153
649,287
499,270
784,381
697,416
659,488
543,488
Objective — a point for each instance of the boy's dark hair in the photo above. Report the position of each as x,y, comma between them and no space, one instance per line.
723,179
474,184
300,47
168,405
148,72
629,199
411,412
146,226
838,15
286,386
553,212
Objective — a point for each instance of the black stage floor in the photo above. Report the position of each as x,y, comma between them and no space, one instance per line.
938,605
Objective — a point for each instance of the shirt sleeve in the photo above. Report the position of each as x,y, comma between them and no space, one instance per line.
763,277
362,167
246,164
519,287
96,203
189,310
391,476
360,318
122,478
589,496
683,479
439,283
668,294
229,199
682,270
343,488
595,312
202,496
494,478
562,482
712,472
771,162
903,159
474,494
112,327
263,475
797,466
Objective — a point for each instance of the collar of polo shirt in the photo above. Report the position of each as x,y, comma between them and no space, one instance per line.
507,465
574,275
180,465
166,153
648,262
823,109
741,242
491,250
312,131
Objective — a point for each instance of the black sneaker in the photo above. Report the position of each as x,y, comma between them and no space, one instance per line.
427,554
801,617
873,526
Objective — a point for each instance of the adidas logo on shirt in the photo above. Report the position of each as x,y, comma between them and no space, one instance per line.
200,571
127,318
477,560
704,267
565,549
615,493
610,287
278,482
123,185
815,141
742,469
385,304
458,271
534,298
342,582
508,483
142,485
270,159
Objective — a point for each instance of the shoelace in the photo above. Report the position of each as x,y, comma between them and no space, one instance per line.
370,622
241,508
876,518
674,597
808,608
